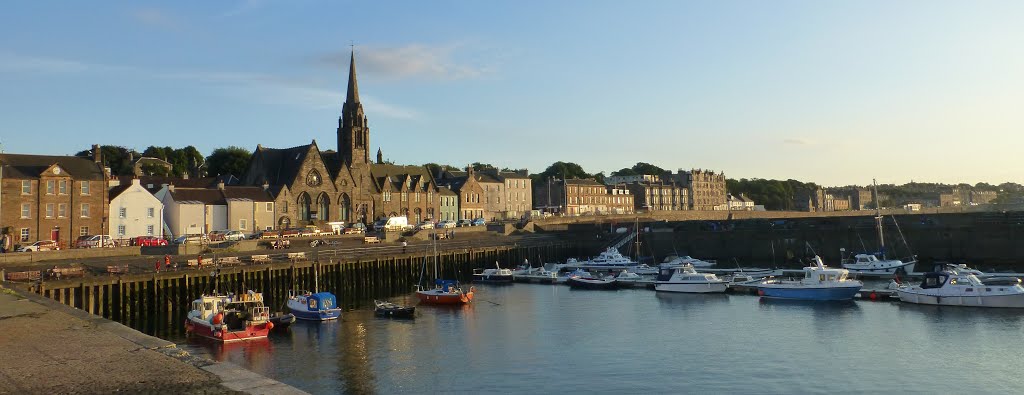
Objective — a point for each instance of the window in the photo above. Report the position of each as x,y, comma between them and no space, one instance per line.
26,210
284,207
85,210
405,196
150,212
24,234
49,187
26,187
149,230
122,212
85,187
63,187
62,210
120,230
49,210
84,231
270,207
242,224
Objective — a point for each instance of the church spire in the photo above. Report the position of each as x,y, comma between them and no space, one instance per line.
353,87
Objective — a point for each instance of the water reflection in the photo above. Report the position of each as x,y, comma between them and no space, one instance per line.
677,299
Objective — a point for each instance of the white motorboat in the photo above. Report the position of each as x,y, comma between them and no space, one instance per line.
645,270
685,279
819,283
575,273
538,275
495,275
627,279
869,264
610,257
953,288
672,262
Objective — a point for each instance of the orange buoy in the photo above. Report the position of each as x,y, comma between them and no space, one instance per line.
218,319
873,296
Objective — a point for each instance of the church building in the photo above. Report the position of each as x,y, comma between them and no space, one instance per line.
314,186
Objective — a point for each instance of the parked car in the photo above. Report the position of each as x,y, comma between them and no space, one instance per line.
192,239
379,225
355,228
41,245
94,241
234,235
425,225
479,222
217,235
464,222
149,241
446,224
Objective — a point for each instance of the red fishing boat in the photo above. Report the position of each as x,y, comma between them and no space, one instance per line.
229,318
444,292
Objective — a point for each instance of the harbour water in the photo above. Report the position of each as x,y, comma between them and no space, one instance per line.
530,338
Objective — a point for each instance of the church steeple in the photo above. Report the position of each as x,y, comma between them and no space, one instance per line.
353,131
353,86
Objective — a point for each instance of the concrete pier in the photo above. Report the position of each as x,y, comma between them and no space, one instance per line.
47,347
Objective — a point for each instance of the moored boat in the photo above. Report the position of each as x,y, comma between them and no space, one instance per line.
229,318
495,275
628,279
393,310
819,283
580,282
444,292
685,279
320,306
953,288
282,321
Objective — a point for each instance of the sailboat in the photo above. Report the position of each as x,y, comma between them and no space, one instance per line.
872,264
314,306
444,292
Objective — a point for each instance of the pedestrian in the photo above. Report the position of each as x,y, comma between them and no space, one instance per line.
167,261
4,241
199,260
158,266
404,245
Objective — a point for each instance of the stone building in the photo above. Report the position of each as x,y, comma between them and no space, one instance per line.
449,204
705,189
506,194
190,211
983,197
135,211
582,197
53,197
471,193
311,186
658,196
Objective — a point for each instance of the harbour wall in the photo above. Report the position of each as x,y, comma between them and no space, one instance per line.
156,303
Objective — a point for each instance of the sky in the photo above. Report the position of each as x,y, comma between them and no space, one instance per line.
835,93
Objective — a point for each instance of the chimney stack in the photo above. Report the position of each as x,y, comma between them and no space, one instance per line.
97,154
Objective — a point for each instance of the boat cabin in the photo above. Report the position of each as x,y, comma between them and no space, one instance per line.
321,301
865,259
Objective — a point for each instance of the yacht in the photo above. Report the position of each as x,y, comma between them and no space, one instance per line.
954,288
496,275
671,262
869,264
819,283
611,257
685,279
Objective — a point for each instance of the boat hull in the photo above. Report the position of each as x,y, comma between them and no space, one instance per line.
808,293
994,301
282,322
583,283
398,312
441,298
493,278
206,330
880,271
691,287
303,313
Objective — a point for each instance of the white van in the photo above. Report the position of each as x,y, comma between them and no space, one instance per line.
396,224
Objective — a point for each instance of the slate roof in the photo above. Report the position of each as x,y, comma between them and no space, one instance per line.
286,161
399,175
332,160
206,196
256,194
115,191
31,166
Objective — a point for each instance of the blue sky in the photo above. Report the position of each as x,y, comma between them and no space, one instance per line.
830,92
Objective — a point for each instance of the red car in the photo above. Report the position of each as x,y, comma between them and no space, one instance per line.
149,241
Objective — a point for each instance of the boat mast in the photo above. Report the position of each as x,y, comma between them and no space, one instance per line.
637,230
878,220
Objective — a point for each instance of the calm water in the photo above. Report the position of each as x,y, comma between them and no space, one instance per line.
530,338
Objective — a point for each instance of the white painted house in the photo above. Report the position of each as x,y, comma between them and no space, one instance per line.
134,211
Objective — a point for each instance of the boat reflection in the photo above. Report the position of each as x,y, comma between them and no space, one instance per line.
683,299
247,353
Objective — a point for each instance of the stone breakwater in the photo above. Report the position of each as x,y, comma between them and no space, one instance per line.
51,348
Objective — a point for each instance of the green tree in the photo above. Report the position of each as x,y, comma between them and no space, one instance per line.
562,170
118,159
227,161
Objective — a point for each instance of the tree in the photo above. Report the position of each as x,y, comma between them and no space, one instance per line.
118,159
625,171
562,170
482,166
647,168
228,161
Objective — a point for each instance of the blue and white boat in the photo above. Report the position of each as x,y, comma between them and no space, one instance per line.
819,283
320,306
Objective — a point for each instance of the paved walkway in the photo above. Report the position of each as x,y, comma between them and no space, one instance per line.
47,347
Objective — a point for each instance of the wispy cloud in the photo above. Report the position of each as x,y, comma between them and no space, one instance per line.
793,141
409,61
155,17
302,92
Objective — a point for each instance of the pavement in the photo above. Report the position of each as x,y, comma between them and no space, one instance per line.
50,348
